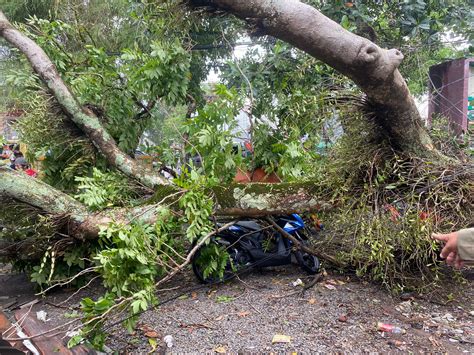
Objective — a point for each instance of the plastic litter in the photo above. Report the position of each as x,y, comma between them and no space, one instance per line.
389,328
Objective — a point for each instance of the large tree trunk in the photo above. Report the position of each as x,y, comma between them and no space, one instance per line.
372,68
84,118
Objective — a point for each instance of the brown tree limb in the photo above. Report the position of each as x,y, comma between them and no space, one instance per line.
84,118
372,68
81,223
302,246
235,200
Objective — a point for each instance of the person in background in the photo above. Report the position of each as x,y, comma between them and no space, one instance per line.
22,164
458,248
14,157
6,152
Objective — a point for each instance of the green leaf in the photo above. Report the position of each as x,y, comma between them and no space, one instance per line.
75,340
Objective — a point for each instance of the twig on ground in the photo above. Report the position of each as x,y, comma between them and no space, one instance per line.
168,289
246,283
252,306
122,302
313,282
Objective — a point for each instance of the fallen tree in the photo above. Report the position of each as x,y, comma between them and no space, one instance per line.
382,192
374,69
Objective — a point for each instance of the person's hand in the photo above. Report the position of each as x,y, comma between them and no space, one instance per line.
450,249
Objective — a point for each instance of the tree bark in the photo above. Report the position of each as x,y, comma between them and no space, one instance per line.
372,68
84,118
263,199
81,223
236,200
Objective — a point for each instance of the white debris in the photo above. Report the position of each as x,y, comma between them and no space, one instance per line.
28,344
168,339
449,317
298,282
405,307
42,316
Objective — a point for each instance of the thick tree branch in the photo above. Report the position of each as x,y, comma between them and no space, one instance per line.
36,193
261,199
84,118
234,200
81,223
372,68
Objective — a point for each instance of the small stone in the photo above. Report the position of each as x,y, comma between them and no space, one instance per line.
397,343
342,318
407,296
449,317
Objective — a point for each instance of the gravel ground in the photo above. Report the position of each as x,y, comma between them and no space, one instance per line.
338,314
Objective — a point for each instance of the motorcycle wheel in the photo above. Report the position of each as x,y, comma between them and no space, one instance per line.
239,259
307,262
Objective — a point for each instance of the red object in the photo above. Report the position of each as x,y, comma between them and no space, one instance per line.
423,215
31,172
258,175
389,328
248,146
395,215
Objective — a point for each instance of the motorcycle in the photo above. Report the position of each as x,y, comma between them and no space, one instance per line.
250,244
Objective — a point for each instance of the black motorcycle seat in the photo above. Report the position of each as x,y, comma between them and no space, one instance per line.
249,225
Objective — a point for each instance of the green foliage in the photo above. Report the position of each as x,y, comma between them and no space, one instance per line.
21,10
224,299
393,252
130,259
416,27
122,92
102,190
132,256
211,134
292,158
291,97
196,204
447,141
93,321
213,260
48,262
137,65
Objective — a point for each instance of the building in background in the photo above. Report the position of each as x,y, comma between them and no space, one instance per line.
451,87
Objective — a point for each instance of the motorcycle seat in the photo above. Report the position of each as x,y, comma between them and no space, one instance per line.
249,225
